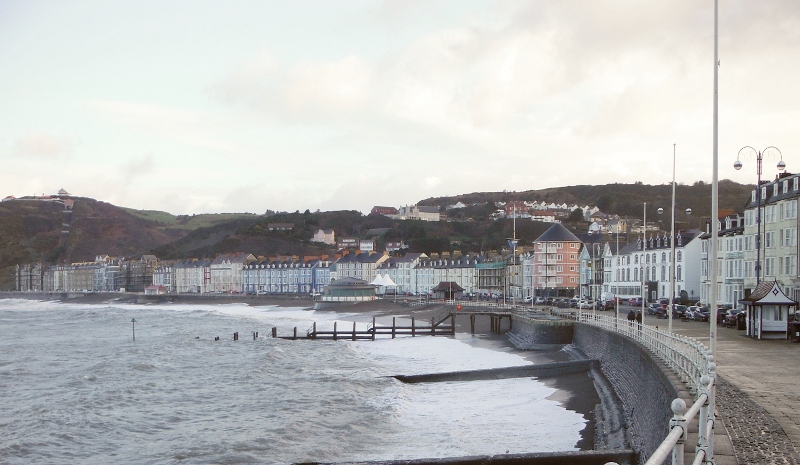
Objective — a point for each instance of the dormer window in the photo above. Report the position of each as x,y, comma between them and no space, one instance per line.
775,189
753,196
680,240
794,184
764,193
785,186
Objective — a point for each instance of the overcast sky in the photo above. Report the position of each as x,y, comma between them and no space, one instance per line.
243,106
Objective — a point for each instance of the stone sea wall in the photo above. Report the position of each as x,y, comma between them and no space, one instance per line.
640,383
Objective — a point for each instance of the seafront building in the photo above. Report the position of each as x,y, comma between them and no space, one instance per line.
779,245
647,264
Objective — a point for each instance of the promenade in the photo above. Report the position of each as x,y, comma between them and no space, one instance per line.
758,396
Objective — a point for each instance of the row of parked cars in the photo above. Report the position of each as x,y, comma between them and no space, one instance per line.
685,313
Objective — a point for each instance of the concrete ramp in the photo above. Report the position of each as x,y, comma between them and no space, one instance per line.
544,370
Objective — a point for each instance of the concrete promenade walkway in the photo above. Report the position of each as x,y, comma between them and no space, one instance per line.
768,372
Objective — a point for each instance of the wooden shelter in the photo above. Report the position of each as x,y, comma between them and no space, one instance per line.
767,311
448,290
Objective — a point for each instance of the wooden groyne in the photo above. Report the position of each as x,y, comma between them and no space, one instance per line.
435,328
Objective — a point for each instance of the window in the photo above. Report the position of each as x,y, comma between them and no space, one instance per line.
559,269
794,184
559,257
572,245
572,257
679,255
769,266
678,273
572,268
769,214
664,254
791,208
769,239
789,237
789,266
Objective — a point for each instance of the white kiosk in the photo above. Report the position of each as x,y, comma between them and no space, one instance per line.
767,309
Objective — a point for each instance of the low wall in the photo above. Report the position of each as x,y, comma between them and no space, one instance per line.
640,382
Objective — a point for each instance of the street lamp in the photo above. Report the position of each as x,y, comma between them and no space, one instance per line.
750,153
672,258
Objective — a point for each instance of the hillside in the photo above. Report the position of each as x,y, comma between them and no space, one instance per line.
30,231
621,199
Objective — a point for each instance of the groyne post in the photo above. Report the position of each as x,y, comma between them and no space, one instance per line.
452,324
393,327
295,333
236,336
413,329
354,330
472,323
433,328
274,331
334,330
373,328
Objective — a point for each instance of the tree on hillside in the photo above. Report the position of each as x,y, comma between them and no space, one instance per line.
576,216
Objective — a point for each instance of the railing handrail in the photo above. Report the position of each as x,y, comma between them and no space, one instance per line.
693,363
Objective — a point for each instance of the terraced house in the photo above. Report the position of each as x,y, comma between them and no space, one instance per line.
776,211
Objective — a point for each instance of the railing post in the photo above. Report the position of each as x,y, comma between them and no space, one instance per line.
702,422
678,408
712,400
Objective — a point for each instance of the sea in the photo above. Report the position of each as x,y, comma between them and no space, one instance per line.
76,388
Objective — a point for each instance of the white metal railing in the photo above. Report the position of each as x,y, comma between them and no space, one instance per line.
692,362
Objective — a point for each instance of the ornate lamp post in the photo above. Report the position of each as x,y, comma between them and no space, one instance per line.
748,152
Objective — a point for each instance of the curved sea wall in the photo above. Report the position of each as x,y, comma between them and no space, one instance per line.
643,385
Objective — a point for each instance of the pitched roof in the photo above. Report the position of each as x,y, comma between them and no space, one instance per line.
557,233
447,286
769,293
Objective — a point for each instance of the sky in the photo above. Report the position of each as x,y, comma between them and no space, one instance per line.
247,106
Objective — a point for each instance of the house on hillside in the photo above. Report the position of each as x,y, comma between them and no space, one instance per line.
388,211
326,236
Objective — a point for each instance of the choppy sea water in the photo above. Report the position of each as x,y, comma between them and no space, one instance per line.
75,388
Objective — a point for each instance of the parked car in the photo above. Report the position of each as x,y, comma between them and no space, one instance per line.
635,301
583,304
702,314
654,309
607,305
539,301
730,317
679,311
